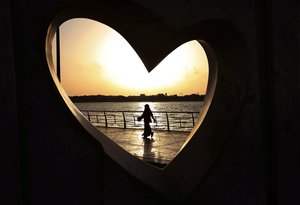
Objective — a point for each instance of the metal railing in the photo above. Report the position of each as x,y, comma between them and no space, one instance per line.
175,121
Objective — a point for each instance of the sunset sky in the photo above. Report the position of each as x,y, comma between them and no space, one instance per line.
95,59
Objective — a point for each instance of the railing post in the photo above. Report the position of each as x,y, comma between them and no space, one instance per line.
88,114
105,118
168,125
193,119
58,55
97,118
124,120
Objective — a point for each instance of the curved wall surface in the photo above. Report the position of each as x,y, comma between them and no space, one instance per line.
51,159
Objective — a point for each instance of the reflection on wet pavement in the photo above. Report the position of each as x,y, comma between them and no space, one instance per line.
161,149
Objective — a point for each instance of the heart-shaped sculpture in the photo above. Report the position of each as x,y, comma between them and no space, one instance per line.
100,60
225,90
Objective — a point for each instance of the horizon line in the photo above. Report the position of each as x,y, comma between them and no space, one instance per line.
140,95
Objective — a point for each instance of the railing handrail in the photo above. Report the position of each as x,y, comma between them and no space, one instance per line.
168,123
89,110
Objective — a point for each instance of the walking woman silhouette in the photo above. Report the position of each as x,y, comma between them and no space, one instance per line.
147,115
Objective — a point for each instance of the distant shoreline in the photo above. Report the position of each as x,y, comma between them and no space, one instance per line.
140,98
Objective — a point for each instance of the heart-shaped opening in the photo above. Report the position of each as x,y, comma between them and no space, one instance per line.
153,41
148,114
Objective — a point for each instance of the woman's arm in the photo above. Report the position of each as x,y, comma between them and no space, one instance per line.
140,117
153,117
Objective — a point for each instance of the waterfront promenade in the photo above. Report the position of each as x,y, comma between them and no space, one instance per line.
160,150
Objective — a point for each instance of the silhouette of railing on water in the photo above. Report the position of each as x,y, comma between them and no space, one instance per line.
170,121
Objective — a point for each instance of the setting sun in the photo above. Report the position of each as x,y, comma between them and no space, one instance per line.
95,59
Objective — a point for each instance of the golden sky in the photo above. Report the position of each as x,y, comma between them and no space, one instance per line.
95,59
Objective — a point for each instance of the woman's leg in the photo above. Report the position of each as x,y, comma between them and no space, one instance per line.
147,130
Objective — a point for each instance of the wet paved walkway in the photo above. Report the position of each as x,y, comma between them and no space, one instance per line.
161,149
